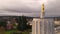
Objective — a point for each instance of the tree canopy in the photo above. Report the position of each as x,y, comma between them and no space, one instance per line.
22,24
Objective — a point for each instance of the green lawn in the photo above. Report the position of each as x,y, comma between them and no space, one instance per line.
11,31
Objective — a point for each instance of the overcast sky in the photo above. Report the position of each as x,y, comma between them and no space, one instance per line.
29,8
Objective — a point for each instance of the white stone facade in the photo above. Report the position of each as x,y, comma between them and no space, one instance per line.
45,26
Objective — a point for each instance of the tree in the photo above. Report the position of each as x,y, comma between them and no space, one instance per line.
22,23
3,23
2,27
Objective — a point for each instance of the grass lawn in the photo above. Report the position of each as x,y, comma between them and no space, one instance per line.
11,31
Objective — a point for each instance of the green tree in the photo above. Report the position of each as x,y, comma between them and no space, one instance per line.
2,27
22,23
3,23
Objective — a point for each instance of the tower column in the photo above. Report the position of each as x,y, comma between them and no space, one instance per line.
42,25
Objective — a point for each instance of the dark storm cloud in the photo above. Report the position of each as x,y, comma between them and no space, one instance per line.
29,7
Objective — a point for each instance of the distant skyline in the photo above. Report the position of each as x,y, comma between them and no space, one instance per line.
29,8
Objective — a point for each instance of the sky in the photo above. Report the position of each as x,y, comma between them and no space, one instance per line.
29,8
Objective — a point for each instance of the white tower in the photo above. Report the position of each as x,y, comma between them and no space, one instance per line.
42,25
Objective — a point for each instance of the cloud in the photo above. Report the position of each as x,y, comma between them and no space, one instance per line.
29,7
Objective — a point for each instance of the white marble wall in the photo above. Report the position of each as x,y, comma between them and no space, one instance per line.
45,26
36,26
